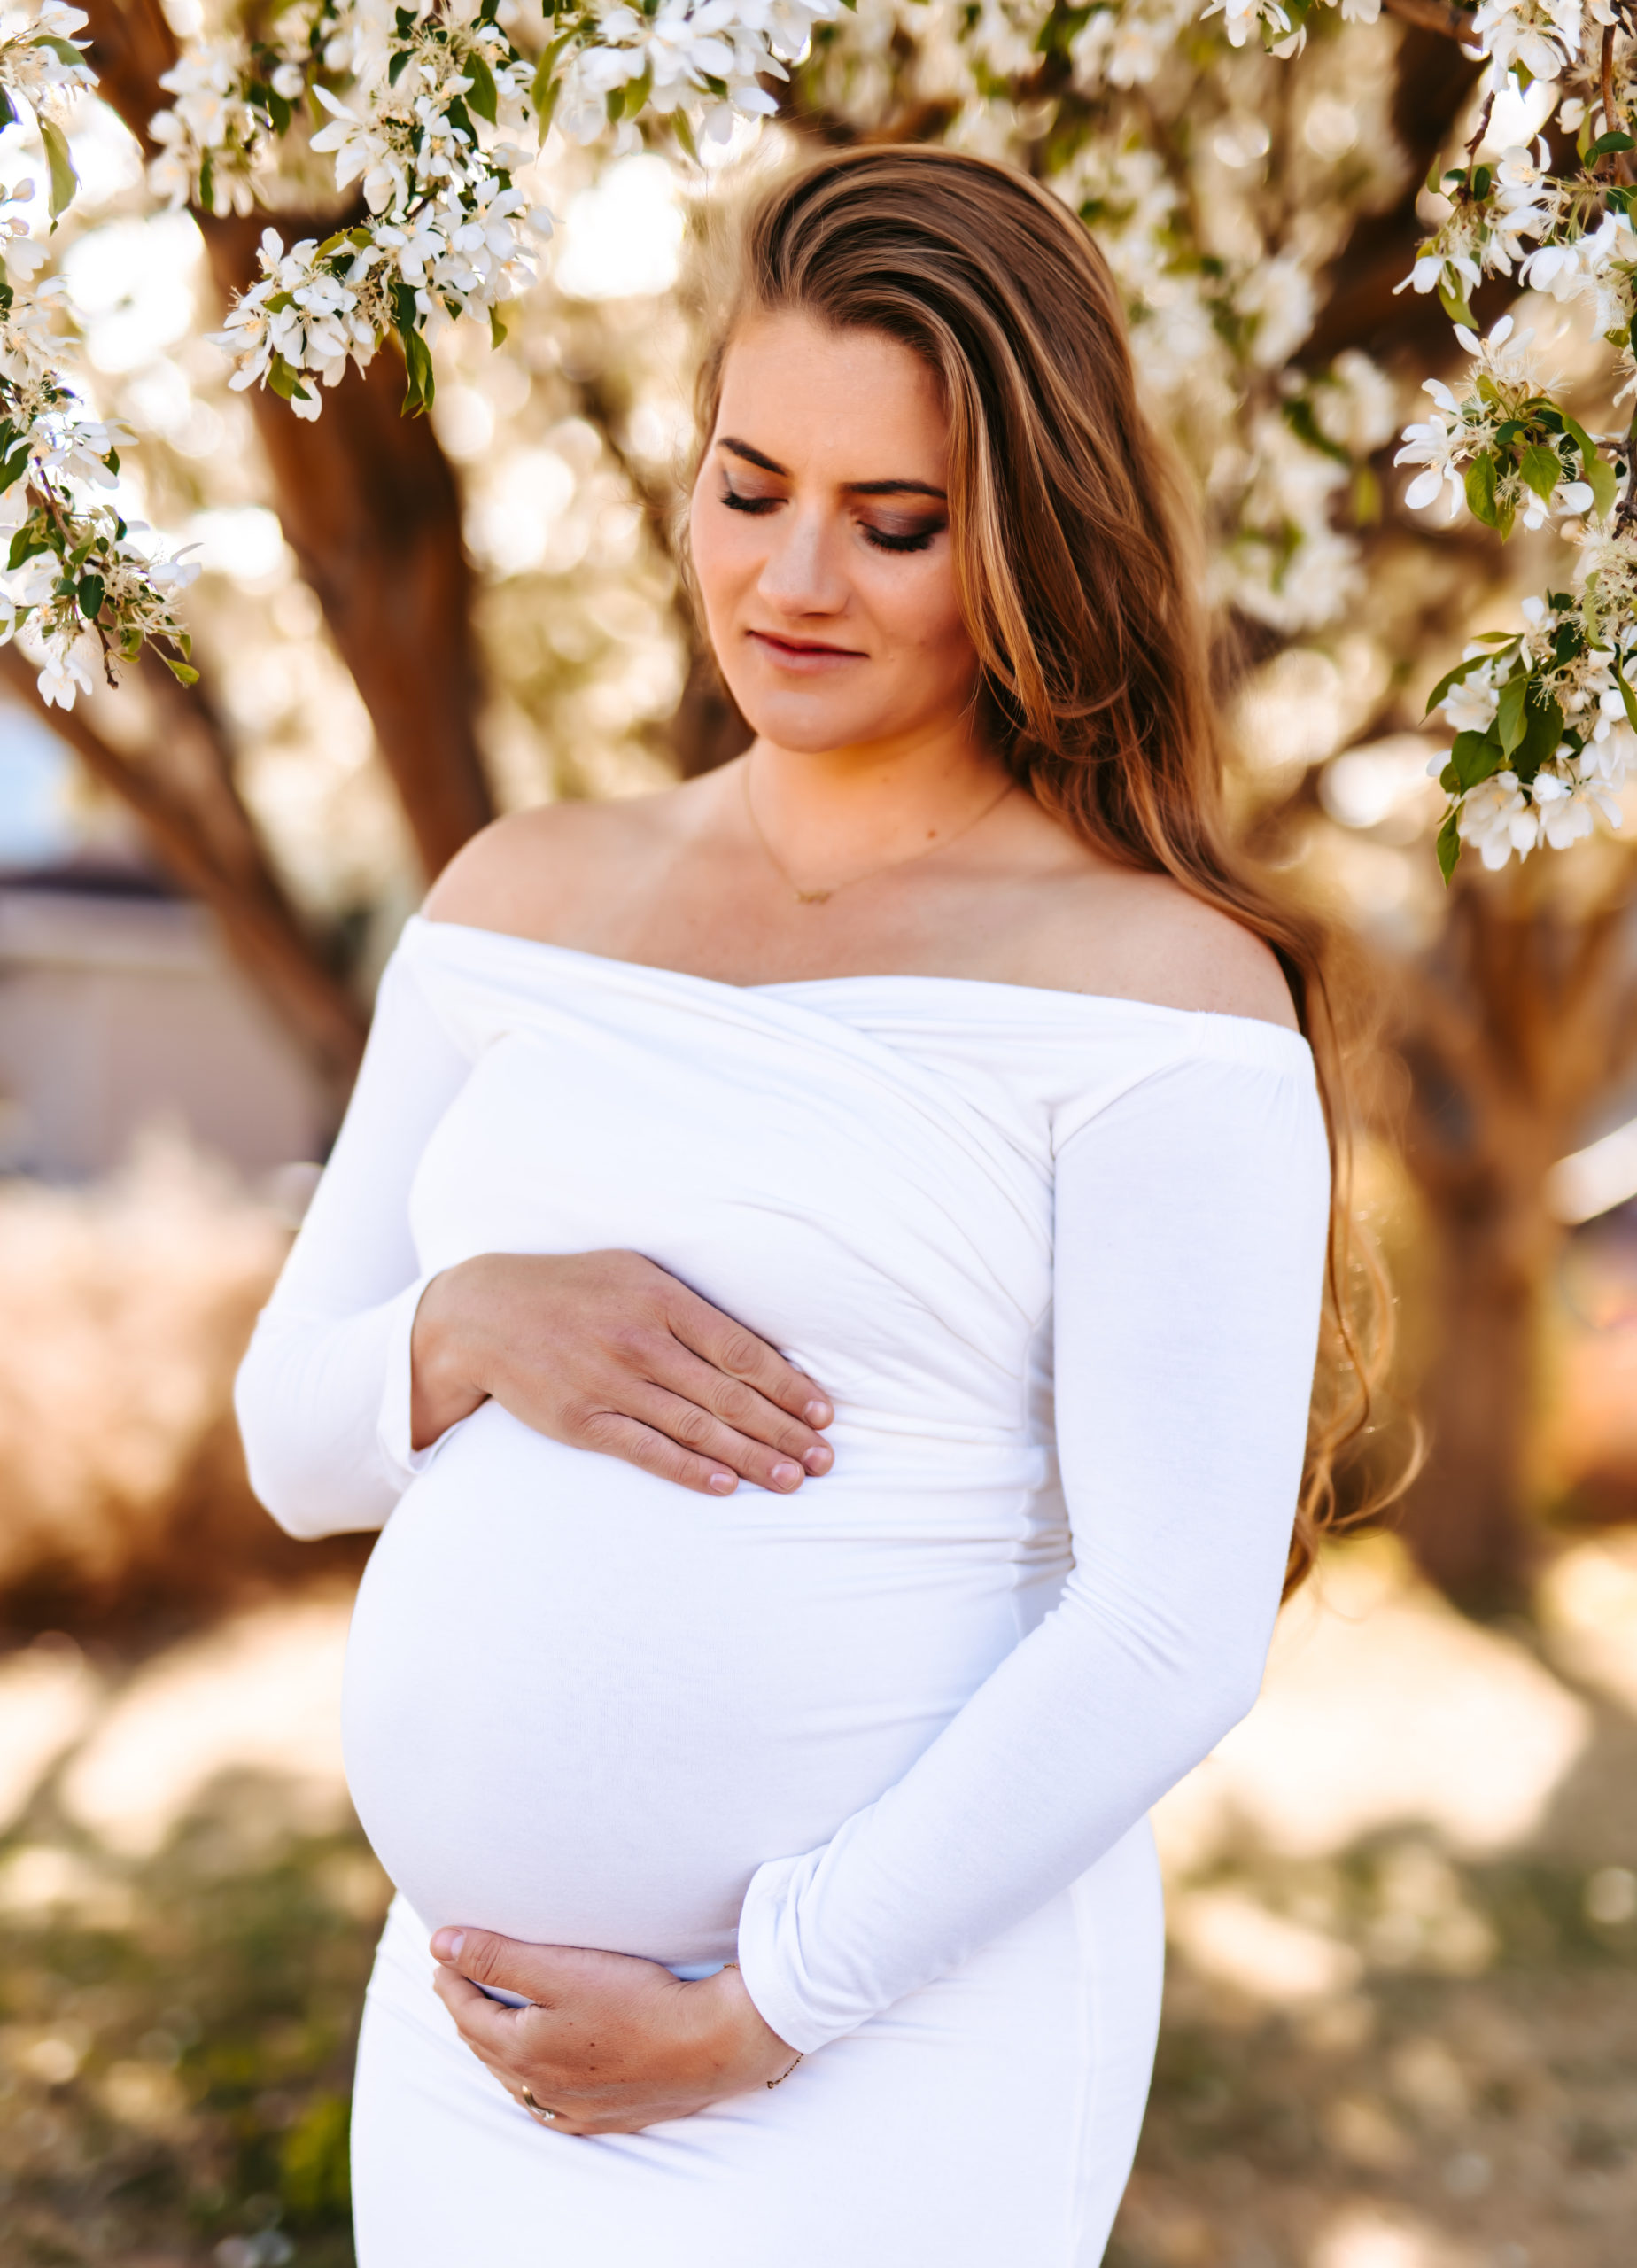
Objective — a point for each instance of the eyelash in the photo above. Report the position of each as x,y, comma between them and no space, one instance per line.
878,538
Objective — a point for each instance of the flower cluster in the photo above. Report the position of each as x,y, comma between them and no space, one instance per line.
73,577
1543,721
1283,23
449,232
41,66
698,63
74,581
1548,749
1506,447
432,112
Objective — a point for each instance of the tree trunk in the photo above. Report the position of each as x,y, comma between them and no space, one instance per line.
1523,1018
367,499
1468,1518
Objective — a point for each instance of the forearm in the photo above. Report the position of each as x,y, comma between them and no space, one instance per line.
1190,1242
323,1394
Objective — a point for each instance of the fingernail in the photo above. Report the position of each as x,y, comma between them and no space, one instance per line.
448,1943
819,1459
785,1476
722,1484
818,1413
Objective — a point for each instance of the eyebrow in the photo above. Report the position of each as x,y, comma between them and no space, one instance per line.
853,488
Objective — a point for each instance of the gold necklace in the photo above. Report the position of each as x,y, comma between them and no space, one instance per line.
823,896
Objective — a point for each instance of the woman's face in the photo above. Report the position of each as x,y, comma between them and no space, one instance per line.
821,541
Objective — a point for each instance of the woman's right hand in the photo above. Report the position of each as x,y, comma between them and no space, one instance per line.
603,1350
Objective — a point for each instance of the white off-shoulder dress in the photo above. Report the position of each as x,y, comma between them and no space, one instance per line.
890,1742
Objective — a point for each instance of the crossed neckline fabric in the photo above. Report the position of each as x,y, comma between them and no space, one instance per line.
1280,1034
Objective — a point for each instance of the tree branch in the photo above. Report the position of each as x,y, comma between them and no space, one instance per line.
1433,16
263,928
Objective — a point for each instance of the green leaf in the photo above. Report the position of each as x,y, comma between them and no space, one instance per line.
684,132
420,383
89,595
282,300
180,670
637,91
278,110
543,92
65,51
1454,305
482,96
1542,469
401,55
8,116
1607,144
497,328
1603,482
1510,714
1448,846
1626,695
1475,756
286,381
1299,417
207,183
65,181
1453,677
1480,488
1543,729
27,543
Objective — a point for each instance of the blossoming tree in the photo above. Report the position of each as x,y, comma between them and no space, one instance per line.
1310,210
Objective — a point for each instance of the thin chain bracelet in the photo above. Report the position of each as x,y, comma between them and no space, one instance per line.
783,2075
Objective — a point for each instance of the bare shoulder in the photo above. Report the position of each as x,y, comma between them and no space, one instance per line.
1142,937
539,873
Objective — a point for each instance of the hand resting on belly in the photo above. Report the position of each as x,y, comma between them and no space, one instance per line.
604,2044
605,1351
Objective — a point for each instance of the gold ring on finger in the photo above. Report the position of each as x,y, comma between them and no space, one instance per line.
537,2110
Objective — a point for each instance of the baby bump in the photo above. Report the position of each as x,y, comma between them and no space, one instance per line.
583,1705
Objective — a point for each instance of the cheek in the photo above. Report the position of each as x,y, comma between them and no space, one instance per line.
723,551
922,610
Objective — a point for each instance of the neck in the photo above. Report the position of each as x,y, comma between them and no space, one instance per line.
845,807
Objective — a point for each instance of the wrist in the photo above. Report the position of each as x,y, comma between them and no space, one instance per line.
747,2037
447,1377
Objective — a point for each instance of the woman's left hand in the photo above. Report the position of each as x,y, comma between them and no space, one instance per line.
608,2043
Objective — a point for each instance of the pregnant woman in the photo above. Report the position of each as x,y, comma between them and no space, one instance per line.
818,1287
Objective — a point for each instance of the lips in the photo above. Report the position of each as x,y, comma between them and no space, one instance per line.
803,649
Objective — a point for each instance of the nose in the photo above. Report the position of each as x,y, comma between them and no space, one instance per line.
802,574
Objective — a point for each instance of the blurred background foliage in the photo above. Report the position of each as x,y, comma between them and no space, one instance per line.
1400,2029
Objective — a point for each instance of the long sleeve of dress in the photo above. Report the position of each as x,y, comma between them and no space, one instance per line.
322,1395
1188,1243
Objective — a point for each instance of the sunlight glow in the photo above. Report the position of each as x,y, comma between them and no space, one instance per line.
623,238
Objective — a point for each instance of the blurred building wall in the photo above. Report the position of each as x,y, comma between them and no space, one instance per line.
119,1010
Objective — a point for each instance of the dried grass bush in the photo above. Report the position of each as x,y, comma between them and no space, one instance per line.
124,1310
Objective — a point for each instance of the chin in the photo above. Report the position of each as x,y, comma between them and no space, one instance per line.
809,727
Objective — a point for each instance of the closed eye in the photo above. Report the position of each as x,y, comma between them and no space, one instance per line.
758,504
883,540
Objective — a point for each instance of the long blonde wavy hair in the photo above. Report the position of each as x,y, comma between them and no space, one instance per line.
1079,566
